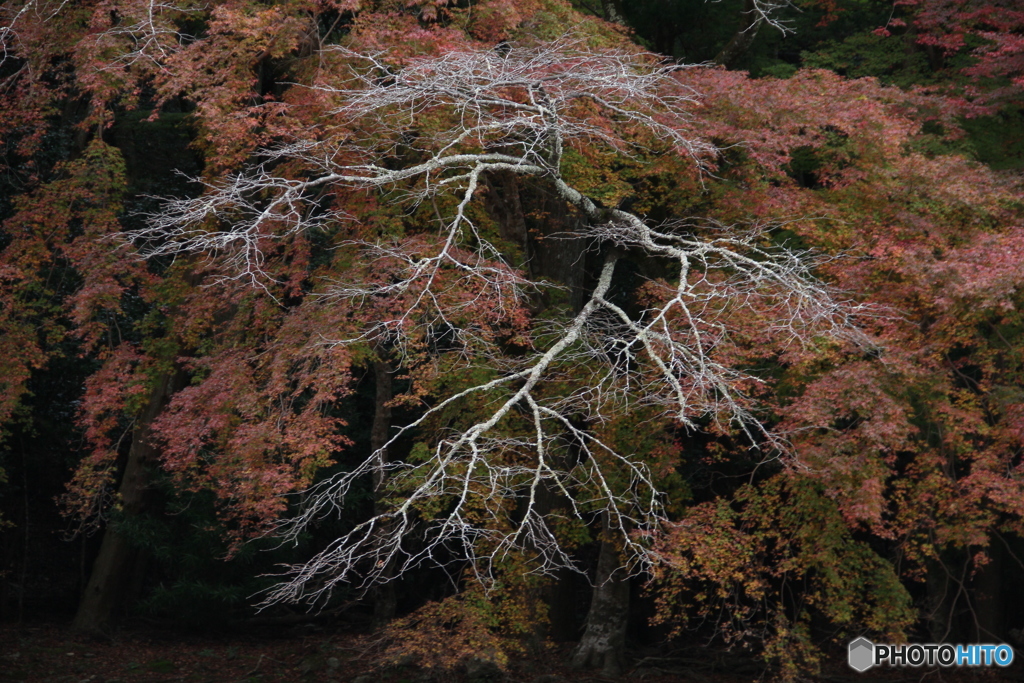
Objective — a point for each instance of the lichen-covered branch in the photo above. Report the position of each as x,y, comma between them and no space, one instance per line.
474,494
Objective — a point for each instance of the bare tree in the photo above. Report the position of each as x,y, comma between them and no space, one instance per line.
515,111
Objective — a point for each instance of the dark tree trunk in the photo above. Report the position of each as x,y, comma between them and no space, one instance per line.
743,38
612,11
568,591
385,599
117,568
948,601
382,373
505,204
562,597
988,602
549,250
604,634
938,613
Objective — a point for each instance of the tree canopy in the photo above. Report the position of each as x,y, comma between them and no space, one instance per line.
501,290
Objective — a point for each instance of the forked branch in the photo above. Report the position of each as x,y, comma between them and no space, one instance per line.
477,493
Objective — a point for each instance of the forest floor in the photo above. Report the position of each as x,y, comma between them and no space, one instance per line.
51,653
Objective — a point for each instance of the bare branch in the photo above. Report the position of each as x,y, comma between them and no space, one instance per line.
516,113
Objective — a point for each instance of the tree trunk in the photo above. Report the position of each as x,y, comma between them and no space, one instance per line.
988,605
385,599
947,600
562,598
604,635
549,249
550,252
612,11
117,566
742,39
564,594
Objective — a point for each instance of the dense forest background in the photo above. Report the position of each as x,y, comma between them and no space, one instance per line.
183,382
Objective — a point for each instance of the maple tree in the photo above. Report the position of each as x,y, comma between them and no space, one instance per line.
579,279
138,323
990,33
520,112
876,436
518,115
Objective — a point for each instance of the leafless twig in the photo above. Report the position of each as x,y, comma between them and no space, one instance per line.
514,112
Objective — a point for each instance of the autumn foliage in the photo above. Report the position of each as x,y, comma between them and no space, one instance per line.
763,336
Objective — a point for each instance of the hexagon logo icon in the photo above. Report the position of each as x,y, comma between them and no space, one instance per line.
861,654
